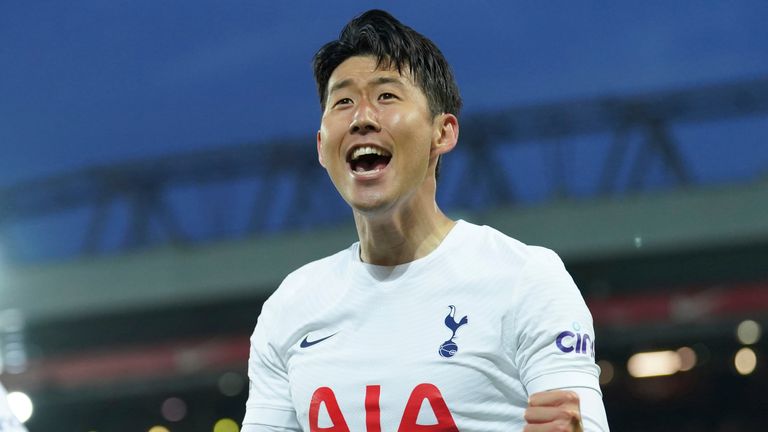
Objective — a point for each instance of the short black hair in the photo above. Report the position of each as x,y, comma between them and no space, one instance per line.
395,45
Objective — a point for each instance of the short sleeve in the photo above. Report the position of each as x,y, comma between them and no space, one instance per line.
593,416
269,399
553,336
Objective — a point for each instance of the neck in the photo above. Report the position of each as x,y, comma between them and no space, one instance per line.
401,235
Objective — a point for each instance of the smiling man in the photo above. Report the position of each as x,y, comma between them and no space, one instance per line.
426,323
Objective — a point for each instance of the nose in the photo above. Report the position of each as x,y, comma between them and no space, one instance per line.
365,120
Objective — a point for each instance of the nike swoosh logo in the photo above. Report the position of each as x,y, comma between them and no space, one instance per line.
305,343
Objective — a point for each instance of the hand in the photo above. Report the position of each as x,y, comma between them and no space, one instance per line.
553,411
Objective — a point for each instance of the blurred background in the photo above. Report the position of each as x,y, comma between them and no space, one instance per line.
158,179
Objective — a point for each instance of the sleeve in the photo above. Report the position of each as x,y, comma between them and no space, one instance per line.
8,421
554,339
593,416
269,406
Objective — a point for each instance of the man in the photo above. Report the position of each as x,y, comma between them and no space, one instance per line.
8,421
425,324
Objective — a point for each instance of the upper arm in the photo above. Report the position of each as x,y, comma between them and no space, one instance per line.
269,402
553,338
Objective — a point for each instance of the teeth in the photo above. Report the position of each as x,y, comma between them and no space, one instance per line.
367,150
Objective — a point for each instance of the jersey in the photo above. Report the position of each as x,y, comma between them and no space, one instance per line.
454,341
8,421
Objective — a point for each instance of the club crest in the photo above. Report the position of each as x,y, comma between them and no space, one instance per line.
449,347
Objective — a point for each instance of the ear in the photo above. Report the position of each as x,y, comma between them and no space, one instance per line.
446,128
320,149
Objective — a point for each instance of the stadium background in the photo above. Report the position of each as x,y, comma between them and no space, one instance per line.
158,179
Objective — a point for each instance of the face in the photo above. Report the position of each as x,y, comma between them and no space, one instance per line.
378,140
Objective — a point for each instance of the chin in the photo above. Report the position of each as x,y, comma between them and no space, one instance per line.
370,204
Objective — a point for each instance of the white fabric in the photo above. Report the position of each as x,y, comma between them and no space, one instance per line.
593,413
387,325
8,421
593,416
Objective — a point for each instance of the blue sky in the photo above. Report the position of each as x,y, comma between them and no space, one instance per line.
94,82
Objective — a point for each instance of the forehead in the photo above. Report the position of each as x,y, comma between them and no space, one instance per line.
364,70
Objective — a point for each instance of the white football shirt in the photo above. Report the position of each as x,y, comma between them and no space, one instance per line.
454,341
8,421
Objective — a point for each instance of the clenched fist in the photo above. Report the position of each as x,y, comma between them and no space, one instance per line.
553,411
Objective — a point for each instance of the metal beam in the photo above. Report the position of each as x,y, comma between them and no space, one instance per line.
632,226
147,183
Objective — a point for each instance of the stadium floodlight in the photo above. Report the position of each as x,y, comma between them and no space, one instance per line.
653,364
748,332
745,361
21,405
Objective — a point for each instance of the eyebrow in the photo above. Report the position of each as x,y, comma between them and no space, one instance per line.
388,80
378,81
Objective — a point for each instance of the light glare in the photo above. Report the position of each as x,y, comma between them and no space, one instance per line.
687,358
606,371
174,409
226,425
748,332
745,361
231,384
651,364
21,406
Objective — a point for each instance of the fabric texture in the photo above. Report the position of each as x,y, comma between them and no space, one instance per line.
459,338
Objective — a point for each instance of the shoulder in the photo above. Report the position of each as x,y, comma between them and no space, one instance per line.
297,298
499,247
299,285
529,272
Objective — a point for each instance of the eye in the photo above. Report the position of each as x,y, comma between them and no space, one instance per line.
344,101
387,96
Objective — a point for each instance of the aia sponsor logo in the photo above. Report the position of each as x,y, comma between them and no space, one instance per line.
575,341
425,392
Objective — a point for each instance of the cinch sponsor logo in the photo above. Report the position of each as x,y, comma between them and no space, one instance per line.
574,341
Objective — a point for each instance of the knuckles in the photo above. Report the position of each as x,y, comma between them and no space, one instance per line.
566,416
571,415
571,397
555,397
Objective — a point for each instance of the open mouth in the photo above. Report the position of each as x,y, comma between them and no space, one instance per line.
368,159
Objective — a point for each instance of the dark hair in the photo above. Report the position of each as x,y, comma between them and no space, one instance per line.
395,45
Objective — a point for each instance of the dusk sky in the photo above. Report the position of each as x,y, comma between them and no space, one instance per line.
94,82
